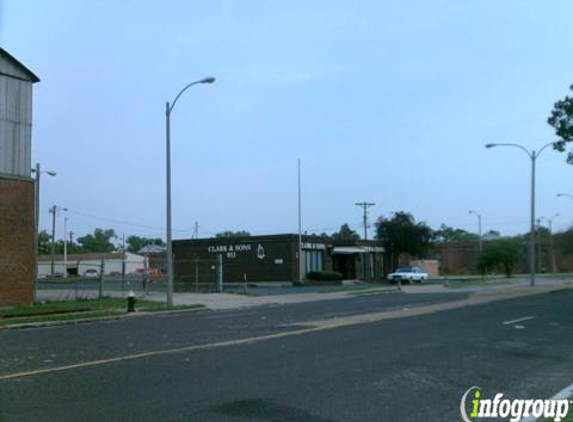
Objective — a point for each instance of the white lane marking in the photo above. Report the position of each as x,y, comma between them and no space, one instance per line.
566,393
519,320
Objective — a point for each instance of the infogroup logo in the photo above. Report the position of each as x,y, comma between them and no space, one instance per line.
514,410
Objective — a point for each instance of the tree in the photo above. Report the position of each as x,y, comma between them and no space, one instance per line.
100,241
562,121
345,233
401,234
229,233
504,254
135,243
44,242
564,241
449,234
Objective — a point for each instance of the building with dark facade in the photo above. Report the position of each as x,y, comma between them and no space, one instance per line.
273,258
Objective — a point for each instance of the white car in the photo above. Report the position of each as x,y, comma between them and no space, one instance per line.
91,274
408,275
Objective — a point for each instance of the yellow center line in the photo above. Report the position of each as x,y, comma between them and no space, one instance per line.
310,327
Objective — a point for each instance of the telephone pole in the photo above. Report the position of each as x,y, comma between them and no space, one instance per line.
365,205
54,210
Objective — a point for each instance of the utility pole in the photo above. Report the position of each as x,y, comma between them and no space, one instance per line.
365,205
300,262
65,247
54,210
479,229
196,230
123,262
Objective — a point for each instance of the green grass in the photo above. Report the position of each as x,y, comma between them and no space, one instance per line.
82,309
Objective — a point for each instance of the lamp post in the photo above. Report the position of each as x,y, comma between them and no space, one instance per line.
479,228
38,171
533,155
168,109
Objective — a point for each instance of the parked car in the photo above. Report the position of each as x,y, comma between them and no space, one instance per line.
91,274
408,275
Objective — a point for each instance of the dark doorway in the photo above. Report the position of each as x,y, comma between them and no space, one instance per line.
345,264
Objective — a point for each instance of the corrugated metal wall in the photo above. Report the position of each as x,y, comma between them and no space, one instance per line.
15,125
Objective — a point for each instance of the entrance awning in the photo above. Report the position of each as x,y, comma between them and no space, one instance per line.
347,250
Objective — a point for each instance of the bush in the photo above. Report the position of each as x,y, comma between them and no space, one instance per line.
324,276
501,254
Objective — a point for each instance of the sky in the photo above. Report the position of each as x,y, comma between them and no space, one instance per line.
382,101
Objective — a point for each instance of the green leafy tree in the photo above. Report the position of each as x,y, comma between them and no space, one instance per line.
561,119
345,233
229,233
99,241
135,243
400,234
450,234
564,241
44,243
501,254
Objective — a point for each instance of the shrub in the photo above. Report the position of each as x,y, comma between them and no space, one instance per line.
500,254
324,276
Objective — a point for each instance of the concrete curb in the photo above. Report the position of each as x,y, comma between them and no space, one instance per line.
136,314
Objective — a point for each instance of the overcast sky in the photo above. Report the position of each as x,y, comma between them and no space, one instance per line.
385,101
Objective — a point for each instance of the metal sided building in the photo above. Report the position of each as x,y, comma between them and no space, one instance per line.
273,258
17,203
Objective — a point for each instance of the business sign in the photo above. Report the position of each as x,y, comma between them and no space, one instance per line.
231,251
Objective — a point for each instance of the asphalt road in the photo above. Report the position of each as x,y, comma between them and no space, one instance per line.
412,369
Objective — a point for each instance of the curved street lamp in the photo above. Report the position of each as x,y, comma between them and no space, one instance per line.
38,171
533,155
168,110
566,195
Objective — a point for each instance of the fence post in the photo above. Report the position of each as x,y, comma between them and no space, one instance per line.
219,273
78,277
145,272
196,275
101,278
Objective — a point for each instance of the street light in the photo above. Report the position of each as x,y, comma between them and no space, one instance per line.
533,155
566,195
38,173
479,228
168,110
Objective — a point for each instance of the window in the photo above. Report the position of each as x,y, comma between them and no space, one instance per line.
314,260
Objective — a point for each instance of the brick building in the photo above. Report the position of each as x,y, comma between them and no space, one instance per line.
17,223
274,258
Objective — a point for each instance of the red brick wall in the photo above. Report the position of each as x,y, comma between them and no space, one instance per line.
16,241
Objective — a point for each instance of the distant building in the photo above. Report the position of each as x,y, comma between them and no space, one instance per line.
156,257
274,258
77,264
17,203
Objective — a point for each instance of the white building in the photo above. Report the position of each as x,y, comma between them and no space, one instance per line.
113,264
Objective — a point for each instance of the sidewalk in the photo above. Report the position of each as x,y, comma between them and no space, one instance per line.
221,301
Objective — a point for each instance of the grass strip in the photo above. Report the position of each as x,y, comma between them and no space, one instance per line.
81,309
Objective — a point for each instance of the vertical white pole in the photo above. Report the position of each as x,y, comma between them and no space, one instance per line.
65,247
300,261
